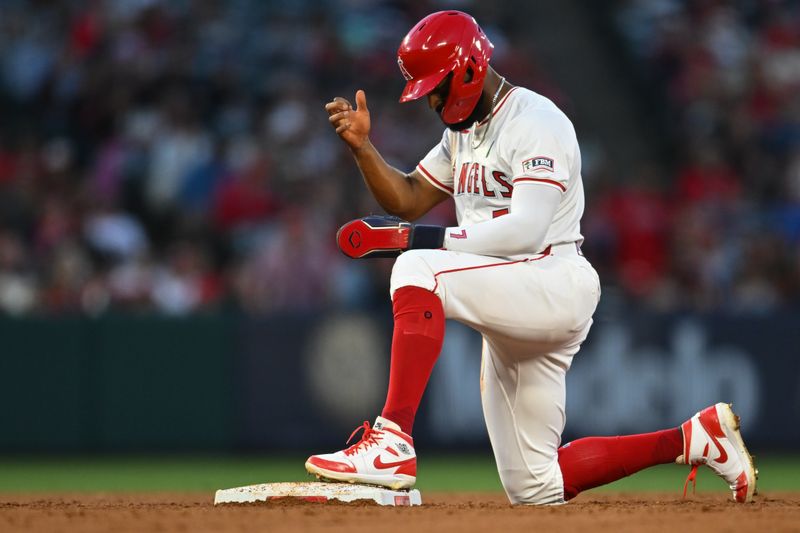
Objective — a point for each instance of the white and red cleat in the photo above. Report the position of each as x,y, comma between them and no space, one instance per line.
712,438
384,456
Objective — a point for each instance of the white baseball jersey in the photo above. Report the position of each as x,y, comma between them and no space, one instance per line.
528,141
533,309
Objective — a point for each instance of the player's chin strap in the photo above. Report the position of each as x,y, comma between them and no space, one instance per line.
386,236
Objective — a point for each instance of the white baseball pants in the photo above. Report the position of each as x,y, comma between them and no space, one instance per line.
533,315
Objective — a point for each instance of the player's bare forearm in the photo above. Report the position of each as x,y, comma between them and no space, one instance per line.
406,196
399,194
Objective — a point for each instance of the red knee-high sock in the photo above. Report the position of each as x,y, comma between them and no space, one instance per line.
594,461
417,341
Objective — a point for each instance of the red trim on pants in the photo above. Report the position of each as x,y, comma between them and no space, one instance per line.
545,253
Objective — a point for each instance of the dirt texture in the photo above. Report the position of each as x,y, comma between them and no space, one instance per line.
440,512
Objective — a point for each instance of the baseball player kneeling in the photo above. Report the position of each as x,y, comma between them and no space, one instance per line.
512,269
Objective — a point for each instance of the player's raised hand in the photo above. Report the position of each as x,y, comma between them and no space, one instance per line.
352,125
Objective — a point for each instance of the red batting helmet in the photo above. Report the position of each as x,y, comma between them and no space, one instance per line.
441,43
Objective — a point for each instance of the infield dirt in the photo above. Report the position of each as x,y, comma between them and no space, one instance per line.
441,512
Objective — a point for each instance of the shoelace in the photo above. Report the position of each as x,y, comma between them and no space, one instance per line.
693,478
369,438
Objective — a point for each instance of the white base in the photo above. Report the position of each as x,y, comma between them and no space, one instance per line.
318,492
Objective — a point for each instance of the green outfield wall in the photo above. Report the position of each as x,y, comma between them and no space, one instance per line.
300,383
116,383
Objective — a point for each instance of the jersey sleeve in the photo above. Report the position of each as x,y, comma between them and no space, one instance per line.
540,151
522,231
437,166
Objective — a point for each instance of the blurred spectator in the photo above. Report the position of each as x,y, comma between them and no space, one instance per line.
18,290
244,198
175,156
639,217
114,234
185,283
731,76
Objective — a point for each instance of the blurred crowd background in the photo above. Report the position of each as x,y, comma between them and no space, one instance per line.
175,156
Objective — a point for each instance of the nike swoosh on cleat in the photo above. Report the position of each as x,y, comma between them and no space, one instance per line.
711,430
381,465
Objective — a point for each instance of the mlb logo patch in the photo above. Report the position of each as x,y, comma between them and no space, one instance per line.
537,163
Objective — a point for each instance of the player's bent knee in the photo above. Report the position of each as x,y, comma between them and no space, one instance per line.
523,488
412,269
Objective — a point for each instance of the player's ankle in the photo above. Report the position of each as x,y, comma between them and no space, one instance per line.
397,420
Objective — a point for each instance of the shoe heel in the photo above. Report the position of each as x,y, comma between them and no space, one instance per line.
735,421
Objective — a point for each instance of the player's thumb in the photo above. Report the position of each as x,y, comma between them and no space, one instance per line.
361,101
